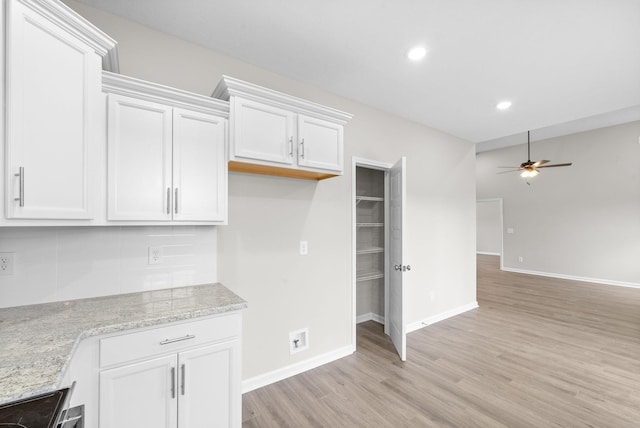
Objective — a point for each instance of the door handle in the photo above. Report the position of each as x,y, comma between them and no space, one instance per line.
402,268
182,381
20,175
173,382
168,200
397,267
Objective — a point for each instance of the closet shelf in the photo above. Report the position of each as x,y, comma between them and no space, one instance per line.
367,276
370,250
370,224
368,199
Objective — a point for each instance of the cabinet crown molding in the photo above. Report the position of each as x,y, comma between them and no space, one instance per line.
65,17
113,83
230,86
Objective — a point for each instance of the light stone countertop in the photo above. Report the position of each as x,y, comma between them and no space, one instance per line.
38,341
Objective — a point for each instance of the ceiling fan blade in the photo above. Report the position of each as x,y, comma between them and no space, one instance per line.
554,165
507,167
503,172
540,162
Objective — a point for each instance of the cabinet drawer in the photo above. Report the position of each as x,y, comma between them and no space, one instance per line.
168,338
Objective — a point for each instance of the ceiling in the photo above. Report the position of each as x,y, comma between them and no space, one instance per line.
566,65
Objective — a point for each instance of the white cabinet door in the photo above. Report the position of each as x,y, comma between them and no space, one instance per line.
262,132
199,167
139,160
138,395
52,115
209,387
320,144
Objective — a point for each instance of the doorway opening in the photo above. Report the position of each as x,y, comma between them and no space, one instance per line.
378,243
489,228
370,244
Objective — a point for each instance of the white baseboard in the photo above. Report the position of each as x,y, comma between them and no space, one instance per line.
442,316
370,317
573,278
486,253
294,369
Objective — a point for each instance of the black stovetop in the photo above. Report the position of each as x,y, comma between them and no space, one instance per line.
41,411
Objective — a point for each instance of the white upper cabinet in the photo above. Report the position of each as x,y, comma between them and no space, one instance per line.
139,140
199,166
262,132
321,144
53,60
166,154
276,134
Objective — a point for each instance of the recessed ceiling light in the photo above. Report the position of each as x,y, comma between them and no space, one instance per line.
417,53
503,105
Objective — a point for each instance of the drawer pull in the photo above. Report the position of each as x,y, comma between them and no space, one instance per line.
178,339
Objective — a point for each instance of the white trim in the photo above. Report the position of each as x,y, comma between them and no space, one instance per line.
294,369
113,83
573,278
229,87
440,317
485,253
370,317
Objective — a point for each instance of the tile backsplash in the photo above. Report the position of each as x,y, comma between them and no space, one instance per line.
64,263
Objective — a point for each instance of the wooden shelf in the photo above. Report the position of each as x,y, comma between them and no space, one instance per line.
251,168
370,224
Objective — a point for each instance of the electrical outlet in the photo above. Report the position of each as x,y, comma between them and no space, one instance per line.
7,261
304,248
520,259
155,255
298,341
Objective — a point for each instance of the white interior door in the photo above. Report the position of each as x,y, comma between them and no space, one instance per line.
397,330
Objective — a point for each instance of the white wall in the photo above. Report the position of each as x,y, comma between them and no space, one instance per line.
258,250
581,221
489,226
62,263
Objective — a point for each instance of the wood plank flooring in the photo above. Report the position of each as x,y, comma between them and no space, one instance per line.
539,352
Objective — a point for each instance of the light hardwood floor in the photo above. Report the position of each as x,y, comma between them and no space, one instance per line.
539,352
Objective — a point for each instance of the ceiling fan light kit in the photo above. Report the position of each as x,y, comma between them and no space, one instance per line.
530,169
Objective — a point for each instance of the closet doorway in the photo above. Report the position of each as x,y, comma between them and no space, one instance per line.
378,247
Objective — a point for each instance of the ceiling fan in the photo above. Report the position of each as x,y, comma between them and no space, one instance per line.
530,168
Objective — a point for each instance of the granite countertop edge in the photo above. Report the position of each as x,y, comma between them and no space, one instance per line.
111,327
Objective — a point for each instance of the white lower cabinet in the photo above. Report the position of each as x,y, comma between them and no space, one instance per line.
140,395
193,383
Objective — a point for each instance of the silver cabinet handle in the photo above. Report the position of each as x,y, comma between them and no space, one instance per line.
291,146
302,145
182,381
175,201
168,200
173,382
178,339
20,175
